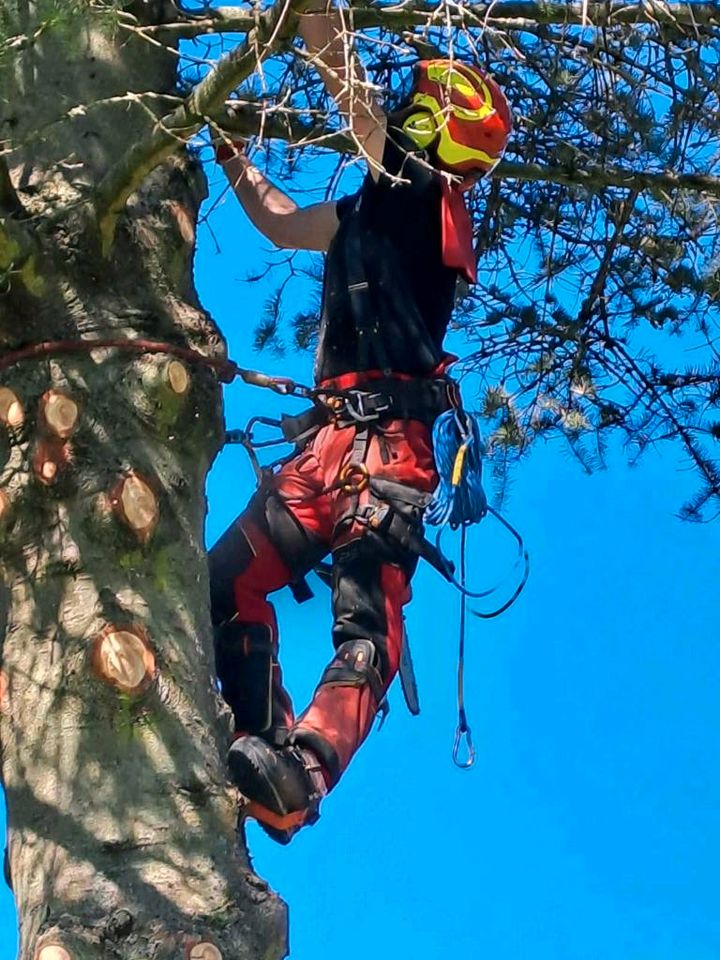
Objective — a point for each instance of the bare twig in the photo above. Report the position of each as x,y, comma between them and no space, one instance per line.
246,122
506,14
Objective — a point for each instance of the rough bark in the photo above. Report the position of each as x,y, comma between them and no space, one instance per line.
122,827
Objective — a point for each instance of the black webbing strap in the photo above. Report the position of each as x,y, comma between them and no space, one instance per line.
302,427
420,398
390,398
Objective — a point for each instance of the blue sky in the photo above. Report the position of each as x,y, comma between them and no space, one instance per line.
590,824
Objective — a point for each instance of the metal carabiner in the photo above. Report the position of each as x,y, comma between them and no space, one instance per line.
463,731
353,478
285,386
265,422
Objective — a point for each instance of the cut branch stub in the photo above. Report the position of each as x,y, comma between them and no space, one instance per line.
12,413
58,413
167,375
177,376
4,692
122,657
50,460
185,221
204,951
53,951
137,505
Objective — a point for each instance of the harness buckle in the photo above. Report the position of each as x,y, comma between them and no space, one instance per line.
366,407
375,516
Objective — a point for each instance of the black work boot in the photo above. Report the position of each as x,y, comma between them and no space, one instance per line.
283,786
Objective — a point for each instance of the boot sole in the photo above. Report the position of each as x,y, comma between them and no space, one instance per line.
263,802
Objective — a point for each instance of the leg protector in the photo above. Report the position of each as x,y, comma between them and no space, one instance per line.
354,665
251,680
268,547
300,548
244,664
343,707
227,560
371,583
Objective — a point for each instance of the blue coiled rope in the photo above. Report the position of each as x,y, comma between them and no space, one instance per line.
459,450
460,501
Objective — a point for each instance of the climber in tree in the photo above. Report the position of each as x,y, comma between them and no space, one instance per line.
364,468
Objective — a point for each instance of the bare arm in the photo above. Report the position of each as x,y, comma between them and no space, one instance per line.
275,214
323,30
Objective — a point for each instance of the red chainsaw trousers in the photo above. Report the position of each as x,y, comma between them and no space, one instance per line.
288,527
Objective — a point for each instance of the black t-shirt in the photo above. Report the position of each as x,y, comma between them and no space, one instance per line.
396,229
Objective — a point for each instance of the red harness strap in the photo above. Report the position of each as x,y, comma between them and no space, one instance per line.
360,378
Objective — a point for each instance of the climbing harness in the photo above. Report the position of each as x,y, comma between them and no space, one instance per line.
394,510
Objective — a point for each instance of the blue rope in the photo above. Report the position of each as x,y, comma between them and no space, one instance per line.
459,500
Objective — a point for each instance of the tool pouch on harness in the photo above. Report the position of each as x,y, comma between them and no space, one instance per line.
395,512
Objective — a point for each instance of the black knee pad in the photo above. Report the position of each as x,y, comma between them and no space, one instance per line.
355,665
244,663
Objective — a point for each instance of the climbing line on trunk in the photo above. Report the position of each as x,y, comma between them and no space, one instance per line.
226,370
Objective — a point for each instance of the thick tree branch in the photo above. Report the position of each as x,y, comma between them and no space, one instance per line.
596,178
505,14
269,32
249,119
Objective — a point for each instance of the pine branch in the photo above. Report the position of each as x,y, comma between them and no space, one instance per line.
505,14
596,178
248,120
598,284
270,31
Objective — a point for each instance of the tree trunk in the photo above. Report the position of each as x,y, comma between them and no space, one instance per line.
122,827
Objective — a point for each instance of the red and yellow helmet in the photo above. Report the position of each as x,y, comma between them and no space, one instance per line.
461,114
